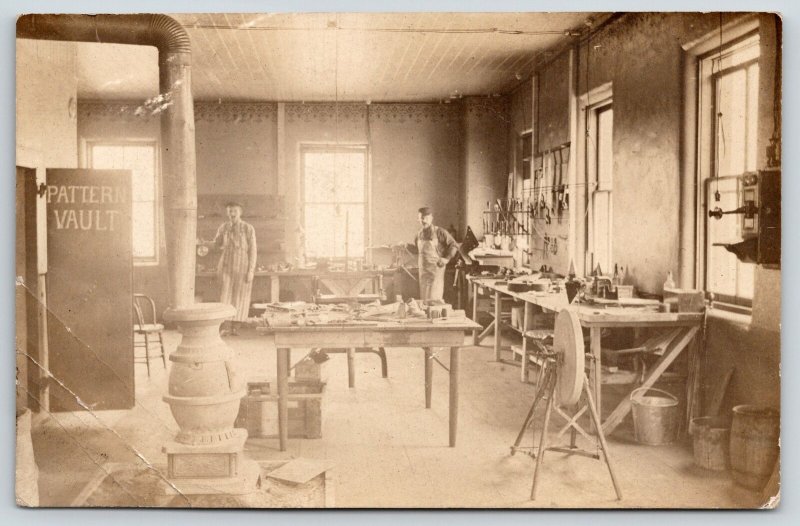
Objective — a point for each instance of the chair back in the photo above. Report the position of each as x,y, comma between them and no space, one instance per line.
144,309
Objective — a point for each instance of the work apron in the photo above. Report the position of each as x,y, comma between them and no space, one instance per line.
431,275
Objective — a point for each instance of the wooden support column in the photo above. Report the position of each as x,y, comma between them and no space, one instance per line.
572,166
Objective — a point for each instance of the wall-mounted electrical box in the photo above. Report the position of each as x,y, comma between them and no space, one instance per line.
767,188
760,209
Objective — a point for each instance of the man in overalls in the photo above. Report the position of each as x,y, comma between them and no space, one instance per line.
435,247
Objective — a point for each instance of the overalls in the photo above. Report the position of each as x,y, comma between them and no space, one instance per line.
431,275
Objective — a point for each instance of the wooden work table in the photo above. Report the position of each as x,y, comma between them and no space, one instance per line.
677,331
424,334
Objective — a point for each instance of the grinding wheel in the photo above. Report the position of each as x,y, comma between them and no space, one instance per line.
568,344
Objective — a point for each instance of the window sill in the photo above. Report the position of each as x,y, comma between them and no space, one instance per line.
153,263
737,318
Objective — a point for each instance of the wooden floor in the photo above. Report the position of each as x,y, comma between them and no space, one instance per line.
388,450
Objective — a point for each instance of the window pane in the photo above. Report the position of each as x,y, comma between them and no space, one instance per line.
320,232
722,272
731,122
325,230
107,158
727,229
350,177
141,161
745,280
353,215
319,177
143,230
601,234
725,273
752,115
605,160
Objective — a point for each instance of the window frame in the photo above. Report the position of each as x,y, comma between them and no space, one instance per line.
599,98
89,144
305,148
741,40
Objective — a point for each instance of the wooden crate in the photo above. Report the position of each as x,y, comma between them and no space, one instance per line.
258,410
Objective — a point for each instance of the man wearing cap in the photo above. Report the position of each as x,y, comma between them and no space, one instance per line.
435,247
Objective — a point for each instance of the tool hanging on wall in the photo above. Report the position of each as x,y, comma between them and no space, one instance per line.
565,154
555,191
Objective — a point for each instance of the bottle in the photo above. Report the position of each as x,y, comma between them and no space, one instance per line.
669,283
615,280
401,307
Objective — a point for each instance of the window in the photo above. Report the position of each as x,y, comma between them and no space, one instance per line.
728,125
600,123
335,201
141,158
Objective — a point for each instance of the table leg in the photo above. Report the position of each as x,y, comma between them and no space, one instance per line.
497,326
454,356
475,313
526,313
595,334
351,369
428,376
672,351
283,397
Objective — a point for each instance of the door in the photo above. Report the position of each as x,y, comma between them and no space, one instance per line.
89,289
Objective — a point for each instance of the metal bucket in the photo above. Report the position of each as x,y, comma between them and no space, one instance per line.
655,418
710,441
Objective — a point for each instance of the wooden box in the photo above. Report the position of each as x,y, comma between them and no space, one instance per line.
258,410
684,300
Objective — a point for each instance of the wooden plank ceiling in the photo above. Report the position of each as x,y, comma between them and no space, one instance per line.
339,56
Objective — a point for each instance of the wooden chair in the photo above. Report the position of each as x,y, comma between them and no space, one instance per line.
147,332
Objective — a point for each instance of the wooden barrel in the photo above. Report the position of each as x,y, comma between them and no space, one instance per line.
755,434
711,442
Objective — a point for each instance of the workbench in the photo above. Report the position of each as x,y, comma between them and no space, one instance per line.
675,333
424,334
